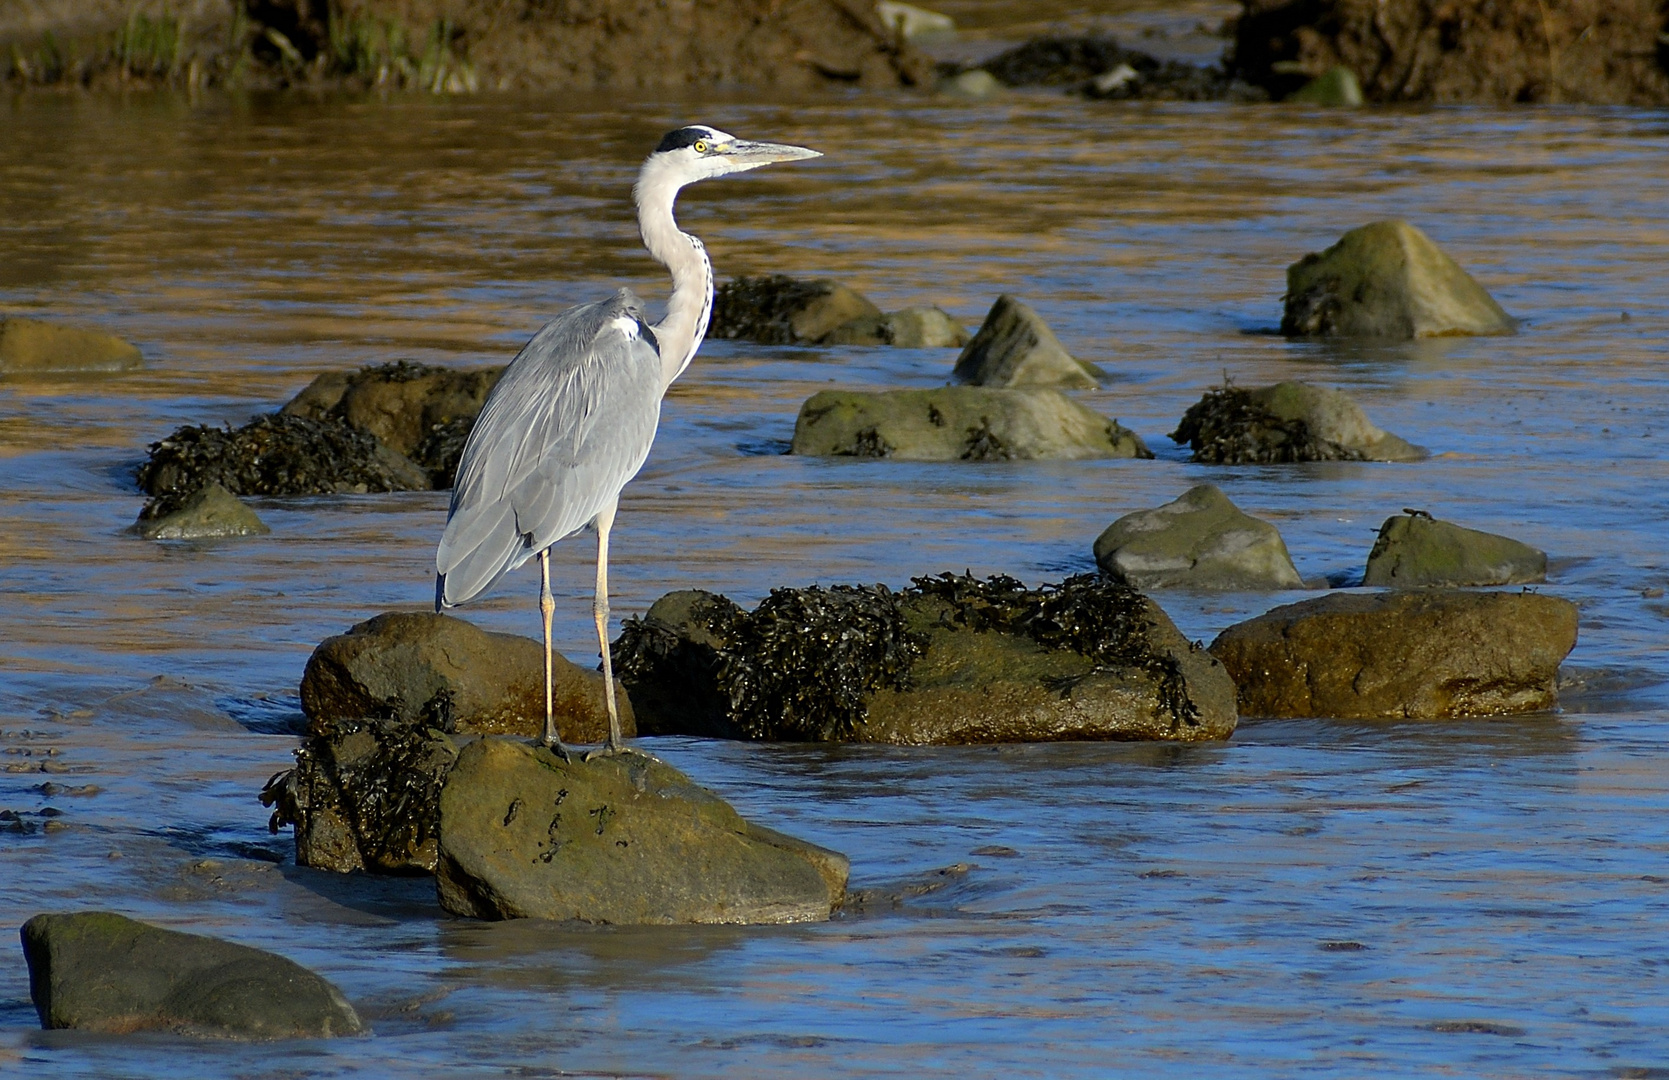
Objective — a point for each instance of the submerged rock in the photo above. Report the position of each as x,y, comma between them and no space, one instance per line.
958,423
949,660
1419,654
1100,67
210,512
36,346
780,310
911,328
99,971
1337,86
1015,347
625,839
1415,549
276,455
1287,422
385,704
421,412
1387,280
1199,541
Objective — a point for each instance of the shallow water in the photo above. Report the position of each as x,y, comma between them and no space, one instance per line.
1117,909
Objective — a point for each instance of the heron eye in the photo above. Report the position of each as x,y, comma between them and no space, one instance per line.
701,146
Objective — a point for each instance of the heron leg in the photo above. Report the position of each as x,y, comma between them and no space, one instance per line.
599,611
547,608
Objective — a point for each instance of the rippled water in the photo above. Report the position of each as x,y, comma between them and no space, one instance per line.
1477,899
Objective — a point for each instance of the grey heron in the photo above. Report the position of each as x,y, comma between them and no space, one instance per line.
572,418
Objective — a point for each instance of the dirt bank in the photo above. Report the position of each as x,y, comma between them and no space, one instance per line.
1484,51
453,45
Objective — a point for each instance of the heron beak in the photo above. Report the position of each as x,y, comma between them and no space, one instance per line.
751,155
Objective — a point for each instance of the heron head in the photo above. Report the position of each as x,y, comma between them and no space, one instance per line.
701,153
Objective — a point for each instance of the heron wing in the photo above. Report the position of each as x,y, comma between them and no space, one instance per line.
569,423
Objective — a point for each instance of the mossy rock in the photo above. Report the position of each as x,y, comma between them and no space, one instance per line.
35,346
1015,347
210,512
958,423
949,660
277,454
1201,540
1286,423
776,309
1387,280
1414,549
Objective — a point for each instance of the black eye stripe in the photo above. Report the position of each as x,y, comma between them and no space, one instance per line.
677,140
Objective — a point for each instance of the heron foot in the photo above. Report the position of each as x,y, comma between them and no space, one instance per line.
555,746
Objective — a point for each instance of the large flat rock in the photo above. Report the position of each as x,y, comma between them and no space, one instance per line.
625,839
99,971
1424,654
958,423
1387,280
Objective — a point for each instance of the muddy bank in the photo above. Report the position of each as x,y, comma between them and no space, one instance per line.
454,46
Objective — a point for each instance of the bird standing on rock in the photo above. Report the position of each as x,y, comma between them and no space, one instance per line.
573,416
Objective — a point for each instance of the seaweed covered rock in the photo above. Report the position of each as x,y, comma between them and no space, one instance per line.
1287,422
625,839
1478,51
1415,549
210,512
1015,347
911,328
100,971
776,309
35,346
1201,540
384,704
277,455
420,411
1419,654
949,660
1387,280
1100,67
958,423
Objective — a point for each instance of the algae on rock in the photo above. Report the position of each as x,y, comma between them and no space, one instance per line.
1284,423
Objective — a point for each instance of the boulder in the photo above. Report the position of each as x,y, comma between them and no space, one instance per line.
1199,541
780,310
958,423
35,346
387,705
99,971
1387,280
950,660
277,455
1015,347
210,512
421,412
1415,549
1287,422
1100,67
623,839
1420,654
911,328
1335,87
1504,52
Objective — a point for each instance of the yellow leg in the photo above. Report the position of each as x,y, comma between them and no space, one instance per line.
599,611
547,608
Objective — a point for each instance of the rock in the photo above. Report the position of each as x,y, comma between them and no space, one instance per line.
947,661
30,346
1100,67
974,83
276,455
387,705
911,328
1419,654
1415,549
209,512
1337,86
1387,280
1199,541
421,412
626,839
913,23
1504,52
99,971
417,665
779,310
958,423
1287,422
1015,347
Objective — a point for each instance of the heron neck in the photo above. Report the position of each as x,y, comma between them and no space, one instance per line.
680,332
